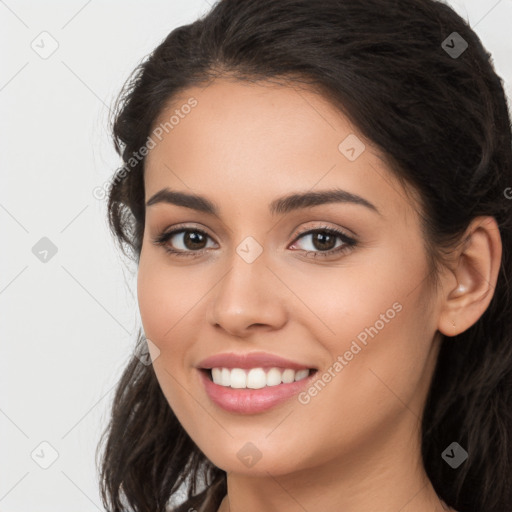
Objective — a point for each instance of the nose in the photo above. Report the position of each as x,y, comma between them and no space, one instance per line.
248,298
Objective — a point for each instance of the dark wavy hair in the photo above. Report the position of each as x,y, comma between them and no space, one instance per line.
442,120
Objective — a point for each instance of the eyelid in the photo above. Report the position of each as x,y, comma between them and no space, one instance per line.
186,226
324,227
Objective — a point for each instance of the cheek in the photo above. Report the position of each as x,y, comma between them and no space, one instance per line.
161,306
360,299
171,302
167,297
154,294
375,325
366,390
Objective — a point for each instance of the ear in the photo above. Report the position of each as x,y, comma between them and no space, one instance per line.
470,287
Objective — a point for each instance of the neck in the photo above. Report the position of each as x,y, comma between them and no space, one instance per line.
388,479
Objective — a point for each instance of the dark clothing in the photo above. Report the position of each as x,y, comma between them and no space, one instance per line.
206,501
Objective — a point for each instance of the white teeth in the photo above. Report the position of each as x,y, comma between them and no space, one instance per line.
225,377
256,378
273,377
288,376
238,378
301,374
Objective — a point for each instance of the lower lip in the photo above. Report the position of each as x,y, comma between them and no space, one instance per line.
252,401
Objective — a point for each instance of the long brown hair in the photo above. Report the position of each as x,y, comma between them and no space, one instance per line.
442,119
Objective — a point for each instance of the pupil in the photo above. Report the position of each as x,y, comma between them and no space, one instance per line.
195,238
323,237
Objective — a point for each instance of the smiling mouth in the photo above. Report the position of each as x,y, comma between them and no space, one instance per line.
255,378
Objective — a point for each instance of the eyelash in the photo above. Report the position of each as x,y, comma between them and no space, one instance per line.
348,242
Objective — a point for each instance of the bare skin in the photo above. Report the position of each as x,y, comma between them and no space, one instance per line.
355,446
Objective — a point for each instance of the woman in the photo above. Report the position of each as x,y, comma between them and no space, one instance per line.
317,198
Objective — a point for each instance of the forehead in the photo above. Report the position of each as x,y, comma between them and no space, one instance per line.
248,115
263,140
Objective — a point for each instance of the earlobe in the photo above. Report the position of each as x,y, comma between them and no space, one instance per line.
475,275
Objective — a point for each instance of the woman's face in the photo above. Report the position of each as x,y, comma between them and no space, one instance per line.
364,316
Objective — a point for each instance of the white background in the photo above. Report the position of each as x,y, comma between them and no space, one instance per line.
68,326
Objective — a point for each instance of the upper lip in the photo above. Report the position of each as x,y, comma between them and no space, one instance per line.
250,360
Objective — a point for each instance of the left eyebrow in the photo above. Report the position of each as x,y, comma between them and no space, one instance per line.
292,202
279,206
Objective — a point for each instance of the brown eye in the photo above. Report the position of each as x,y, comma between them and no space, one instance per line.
323,242
193,240
183,242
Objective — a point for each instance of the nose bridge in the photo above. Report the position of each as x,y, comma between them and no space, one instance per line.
247,294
